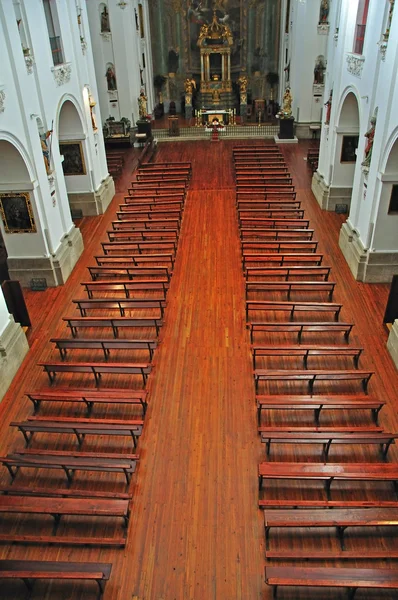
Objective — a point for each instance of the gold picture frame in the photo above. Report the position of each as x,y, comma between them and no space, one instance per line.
73,163
16,212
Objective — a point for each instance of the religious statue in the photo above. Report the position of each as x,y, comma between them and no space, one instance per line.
111,78
319,70
105,27
369,145
328,105
190,85
142,105
324,12
286,111
46,151
243,82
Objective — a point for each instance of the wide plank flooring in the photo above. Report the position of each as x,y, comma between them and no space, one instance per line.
196,532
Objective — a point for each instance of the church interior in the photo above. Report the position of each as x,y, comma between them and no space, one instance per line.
199,299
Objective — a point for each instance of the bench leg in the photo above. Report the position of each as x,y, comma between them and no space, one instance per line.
101,588
317,414
385,447
375,413
275,592
351,593
267,532
29,584
325,451
340,534
57,520
259,415
328,483
69,474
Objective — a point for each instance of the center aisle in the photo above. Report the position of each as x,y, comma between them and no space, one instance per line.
195,528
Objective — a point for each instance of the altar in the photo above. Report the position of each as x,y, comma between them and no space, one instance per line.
207,116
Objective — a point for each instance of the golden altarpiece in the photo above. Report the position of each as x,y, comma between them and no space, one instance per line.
215,42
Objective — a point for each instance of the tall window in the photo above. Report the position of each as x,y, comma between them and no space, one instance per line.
360,26
50,11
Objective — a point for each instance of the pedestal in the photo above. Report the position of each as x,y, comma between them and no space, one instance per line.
144,127
286,129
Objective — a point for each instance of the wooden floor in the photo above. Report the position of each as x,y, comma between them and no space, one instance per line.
196,532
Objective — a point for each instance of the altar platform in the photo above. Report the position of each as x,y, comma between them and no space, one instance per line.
189,131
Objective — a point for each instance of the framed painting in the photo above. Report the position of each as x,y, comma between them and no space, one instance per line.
348,148
73,163
16,212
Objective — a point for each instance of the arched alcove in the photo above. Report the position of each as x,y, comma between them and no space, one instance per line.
14,173
349,113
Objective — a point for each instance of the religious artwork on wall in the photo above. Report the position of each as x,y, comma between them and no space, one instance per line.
110,77
73,163
105,26
370,134
324,12
319,70
16,212
348,148
255,28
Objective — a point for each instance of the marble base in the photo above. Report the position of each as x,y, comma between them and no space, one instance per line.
367,266
55,268
392,342
279,140
13,348
329,196
93,203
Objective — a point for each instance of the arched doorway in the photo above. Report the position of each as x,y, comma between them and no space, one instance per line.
345,155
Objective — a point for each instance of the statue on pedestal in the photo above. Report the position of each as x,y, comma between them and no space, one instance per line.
369,145
142,106
286,111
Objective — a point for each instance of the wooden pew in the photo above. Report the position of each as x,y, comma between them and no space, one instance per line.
264,187
149,215
135,206
161,273
69,462
142,247
114,322
264,194
313,274
242,169
263,179
329,472
106,345
80,427
289,247
31,570
327,436
120,304
156,259
155,193
311,287
313,375
301,328
157,199
142,234
127,287
176,184
305,352
284,260
292,307
96,369
274,222
334,577
60,507
261,204
89,398
178,174
254,239
273,213
22,490
319,403
154,224
165,165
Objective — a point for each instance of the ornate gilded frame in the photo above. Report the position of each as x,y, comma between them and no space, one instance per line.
16,212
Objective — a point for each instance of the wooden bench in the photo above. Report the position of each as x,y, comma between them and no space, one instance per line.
150,215
281,246
176,184
154,174
293,307
264,194
130,272
329,472
31,570
278,213
136,260
59,507
133,205
89,398
254,239
300,328
335,577
339,518
166,165
71,461
264,187
127,287
267,204
313,375
264,168
106,345
305,352
157,199
275,259
115,323
292,286
263,179
153,194
118,247
152,224
319,403
142,234
327,436
288,273
121,305
274,222
80,427
96,369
